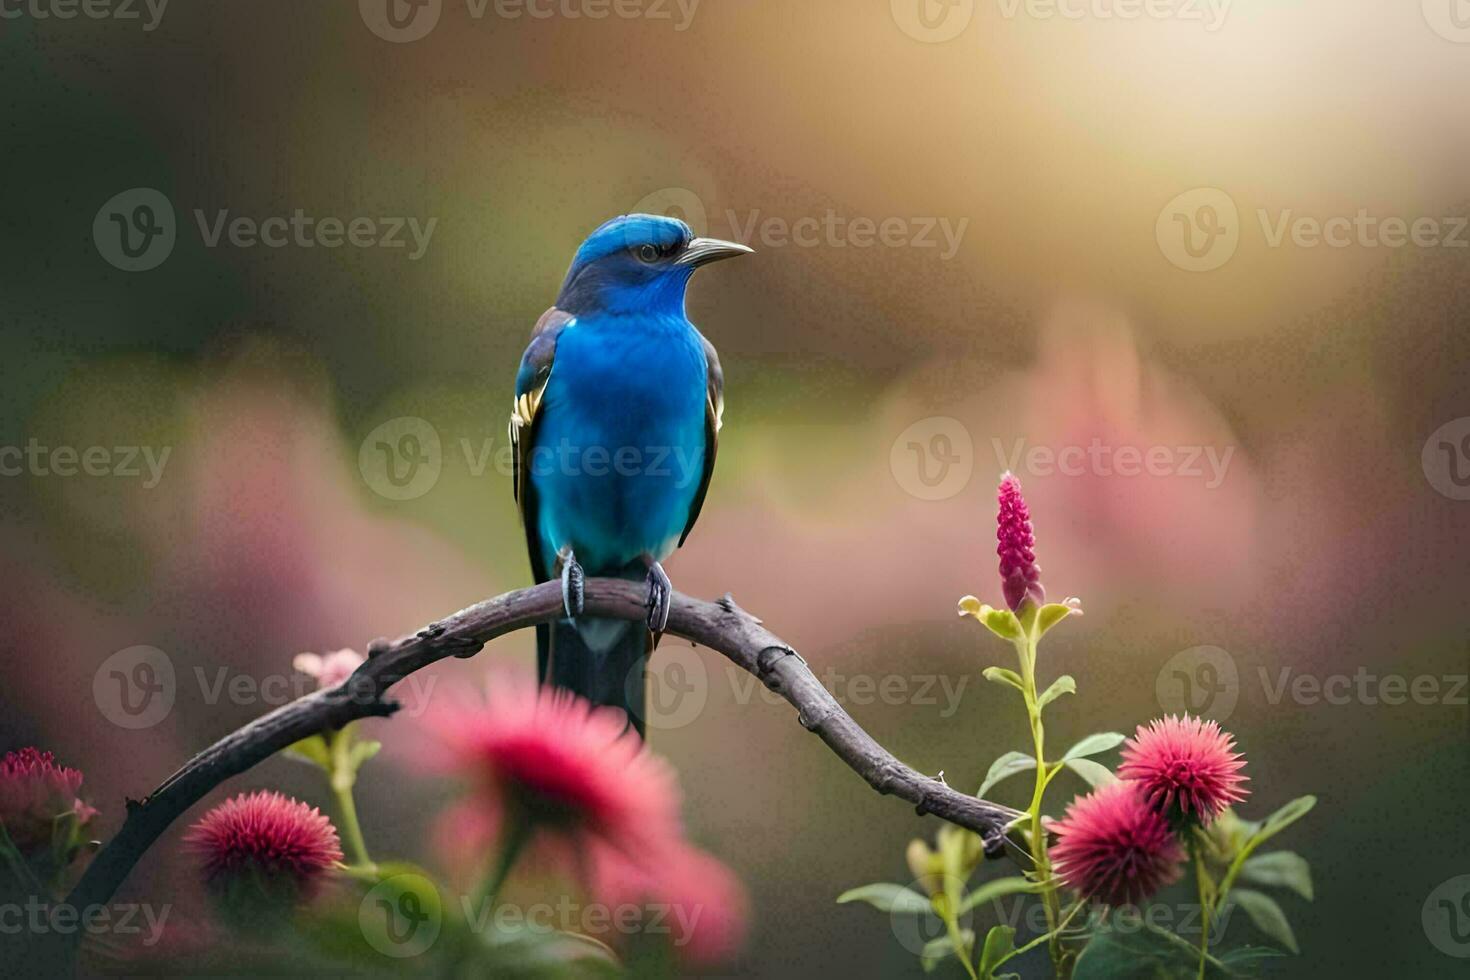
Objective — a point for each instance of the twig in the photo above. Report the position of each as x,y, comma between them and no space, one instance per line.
722,626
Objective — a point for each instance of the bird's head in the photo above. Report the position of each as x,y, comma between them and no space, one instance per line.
638,263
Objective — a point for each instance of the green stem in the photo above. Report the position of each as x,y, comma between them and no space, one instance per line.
1206,907
1026,648
952,926
516,839
1061,928
343,779
19,866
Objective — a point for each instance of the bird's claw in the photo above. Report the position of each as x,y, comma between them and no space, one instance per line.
573,586
660,598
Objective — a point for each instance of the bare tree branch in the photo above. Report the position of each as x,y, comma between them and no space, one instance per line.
721,626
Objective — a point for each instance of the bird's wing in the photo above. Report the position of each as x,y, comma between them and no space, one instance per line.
714,410
530,385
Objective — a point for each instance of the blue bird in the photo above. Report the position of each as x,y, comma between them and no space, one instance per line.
617,412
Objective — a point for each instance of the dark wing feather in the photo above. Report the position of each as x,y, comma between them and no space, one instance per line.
714,410
530,384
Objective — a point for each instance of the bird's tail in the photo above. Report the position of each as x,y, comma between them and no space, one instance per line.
608,671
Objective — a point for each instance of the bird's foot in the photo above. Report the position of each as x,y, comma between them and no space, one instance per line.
660,598
573,584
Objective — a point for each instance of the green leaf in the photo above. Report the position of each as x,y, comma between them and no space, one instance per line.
1270,827
1280,869
1092,745
999,942
312,750
1242,960
1285,817
1053,613
1095,773
999,675
1004,767
1140,950
1267,915
362,752
935,950
999,888
886,897
1002,622
1062,685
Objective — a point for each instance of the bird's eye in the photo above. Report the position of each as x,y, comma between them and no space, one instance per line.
648,253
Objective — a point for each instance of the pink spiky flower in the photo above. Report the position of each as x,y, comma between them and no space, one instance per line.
701,904
1188,768
546,761
35,795
263,853
1114,847
1019,574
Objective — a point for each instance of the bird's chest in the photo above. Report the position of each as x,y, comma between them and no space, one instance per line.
620,443
619,387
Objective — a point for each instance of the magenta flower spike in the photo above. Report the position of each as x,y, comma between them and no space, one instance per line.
1019,574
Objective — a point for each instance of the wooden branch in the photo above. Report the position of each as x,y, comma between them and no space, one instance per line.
721,626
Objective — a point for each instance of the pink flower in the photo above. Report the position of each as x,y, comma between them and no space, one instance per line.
263,853
34,793
1186,767
1112,846
1019,574
574,773
329,670
687,895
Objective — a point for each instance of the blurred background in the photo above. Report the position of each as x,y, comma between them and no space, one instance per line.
1060,240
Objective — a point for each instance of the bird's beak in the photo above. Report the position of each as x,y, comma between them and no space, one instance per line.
702,251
